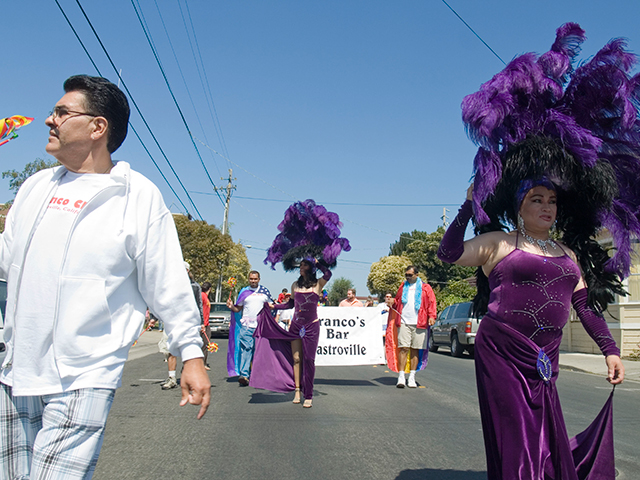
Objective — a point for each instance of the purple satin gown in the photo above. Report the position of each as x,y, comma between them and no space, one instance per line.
516,369
273,360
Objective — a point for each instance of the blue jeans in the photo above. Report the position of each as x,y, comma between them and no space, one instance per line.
247,346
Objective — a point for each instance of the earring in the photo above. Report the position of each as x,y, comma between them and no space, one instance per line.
523,230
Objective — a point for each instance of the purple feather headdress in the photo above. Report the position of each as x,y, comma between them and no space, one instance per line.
307,231
593,118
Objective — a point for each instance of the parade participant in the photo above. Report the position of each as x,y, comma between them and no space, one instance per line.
551,157
414,311
304,333
87,246
250,301
285,361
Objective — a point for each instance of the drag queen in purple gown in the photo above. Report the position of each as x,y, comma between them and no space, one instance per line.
533,282
559,151
285,360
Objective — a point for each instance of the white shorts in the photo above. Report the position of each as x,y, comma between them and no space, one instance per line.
410,336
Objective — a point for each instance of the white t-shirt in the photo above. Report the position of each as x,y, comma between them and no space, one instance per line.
251,306
384,314
286,315
409,314
34,370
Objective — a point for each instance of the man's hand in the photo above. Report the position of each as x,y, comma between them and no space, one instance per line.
616,369
196,386
432,322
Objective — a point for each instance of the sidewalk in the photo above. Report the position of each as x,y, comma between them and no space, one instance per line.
595,364
147,344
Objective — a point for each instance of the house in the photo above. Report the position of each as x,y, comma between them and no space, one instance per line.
623,316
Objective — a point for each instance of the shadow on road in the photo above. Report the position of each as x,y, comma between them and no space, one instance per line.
388,381
271,398
344,382
435,474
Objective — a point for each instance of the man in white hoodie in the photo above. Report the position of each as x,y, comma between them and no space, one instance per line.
86,247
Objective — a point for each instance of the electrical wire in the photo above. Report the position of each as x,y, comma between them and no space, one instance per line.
175,101
130,124
137,108
474,32
212,106
184,80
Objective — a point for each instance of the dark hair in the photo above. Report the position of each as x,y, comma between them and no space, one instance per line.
254,271
284,290
103,99
309,281
415,269
206,286
352,289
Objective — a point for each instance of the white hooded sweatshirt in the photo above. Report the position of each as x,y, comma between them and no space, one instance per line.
122,254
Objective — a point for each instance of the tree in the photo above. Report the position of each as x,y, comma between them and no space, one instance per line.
211,254
18,178
338,290
448,281
455,292
386,275
422,248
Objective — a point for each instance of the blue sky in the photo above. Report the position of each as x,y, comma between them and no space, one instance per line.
350,103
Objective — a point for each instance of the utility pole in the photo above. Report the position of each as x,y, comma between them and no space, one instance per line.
225,222
444,217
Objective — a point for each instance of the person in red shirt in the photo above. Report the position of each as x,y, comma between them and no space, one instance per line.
206,329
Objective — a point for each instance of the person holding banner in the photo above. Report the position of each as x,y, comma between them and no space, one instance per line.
275,363
413,312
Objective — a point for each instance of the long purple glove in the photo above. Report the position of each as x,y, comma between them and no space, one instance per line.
594,323
326,273
452,245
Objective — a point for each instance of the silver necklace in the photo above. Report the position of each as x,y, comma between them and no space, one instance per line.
542,244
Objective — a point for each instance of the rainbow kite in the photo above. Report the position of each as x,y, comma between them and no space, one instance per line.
9,125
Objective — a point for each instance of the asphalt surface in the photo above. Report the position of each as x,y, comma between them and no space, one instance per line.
360,426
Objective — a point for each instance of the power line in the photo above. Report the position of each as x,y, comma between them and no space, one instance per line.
166,80
130,124
348,203
137,108
473,31
212,106
184,80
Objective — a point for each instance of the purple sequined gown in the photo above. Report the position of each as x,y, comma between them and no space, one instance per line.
273,360
517,355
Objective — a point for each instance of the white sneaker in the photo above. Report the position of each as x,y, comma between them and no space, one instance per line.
412,383
401,382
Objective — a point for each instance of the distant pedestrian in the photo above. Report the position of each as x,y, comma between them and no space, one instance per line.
172,360
351,300
206,329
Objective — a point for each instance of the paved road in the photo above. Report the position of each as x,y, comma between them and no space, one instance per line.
360,427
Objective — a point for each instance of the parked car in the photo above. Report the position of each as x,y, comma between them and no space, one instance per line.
219,318
455,328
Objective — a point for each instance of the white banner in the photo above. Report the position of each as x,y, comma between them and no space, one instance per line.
350,336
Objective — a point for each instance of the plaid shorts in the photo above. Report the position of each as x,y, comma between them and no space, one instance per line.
52,436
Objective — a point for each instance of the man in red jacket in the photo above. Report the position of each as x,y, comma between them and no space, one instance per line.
415,311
